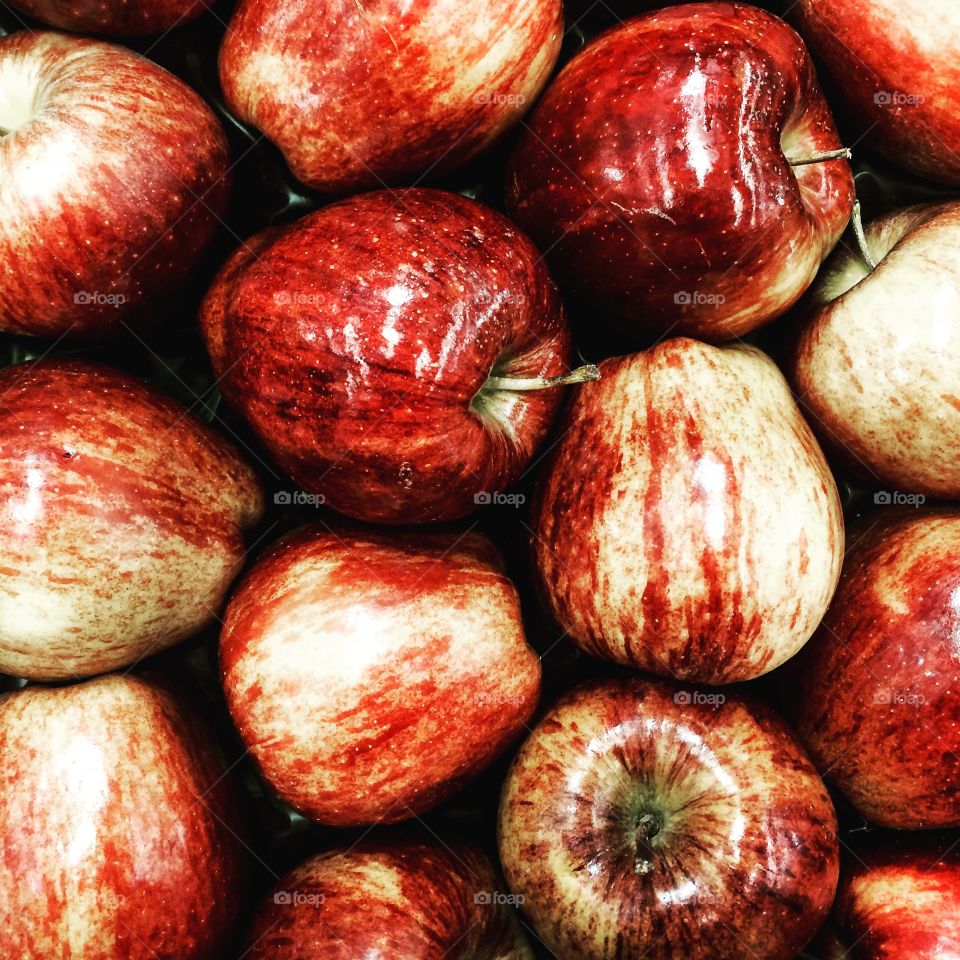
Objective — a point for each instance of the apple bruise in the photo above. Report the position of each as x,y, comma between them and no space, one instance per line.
634,826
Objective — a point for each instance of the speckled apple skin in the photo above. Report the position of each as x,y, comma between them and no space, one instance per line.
118,832
746,861
878,688
111,202
909,48
360,94
372,674
121,520
687,523
402,899
654,171
877,365
113,18
354,341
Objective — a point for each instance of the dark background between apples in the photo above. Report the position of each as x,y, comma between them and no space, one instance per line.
173,358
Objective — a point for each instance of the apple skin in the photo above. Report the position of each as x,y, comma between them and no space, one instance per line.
895,64
113,18
372,674
364,391
357,95
686,522
877,363
118,831
107,209
877,690
655,171
900,901
121,520
636,822
401,898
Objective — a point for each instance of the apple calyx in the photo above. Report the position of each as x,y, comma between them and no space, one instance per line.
857,221
844,153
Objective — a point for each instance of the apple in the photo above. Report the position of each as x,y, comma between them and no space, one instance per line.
901,901
642,819
113,175
686,522
684,172
357,95
121,520
895,64
877,691
402,898
118,831
878,360
399,354
113,18
371,674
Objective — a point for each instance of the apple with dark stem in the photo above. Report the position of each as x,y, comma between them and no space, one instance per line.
113,175
684,173
644,820
372,674
399,353
113,18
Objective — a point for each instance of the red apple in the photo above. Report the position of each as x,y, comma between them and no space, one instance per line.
642,820
385,348
397,899
878,688
901,901
895,62
121,520
687,522
113,175
878,362
118,834
371,674
357,94
665,169
113,18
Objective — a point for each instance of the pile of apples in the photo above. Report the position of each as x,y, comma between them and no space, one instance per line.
507,606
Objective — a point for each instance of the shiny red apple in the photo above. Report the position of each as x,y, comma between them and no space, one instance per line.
121,520
357,95
668,171
895,62
394,352
397,898
118,831
877,690
114,18
645,820
877,363
113,175
686,522
372,674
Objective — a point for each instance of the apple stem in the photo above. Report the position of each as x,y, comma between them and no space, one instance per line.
858,232
580,375
844,153
3,132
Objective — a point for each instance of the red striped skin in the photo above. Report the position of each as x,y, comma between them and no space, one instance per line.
118,833
113,182
371,675
878,687
114,18
654,169
401,899
355,340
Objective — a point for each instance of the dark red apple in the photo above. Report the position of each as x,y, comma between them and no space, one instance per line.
113,175
118,832
878,688
645,820
667,172
372,674
387,350
358,94
121,520
402,899
113,18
